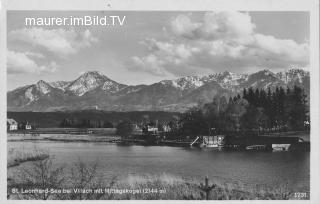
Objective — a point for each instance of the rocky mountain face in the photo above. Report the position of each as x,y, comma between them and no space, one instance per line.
87,82
93,90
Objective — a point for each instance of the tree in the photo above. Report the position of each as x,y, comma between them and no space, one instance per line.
296,108
234,112
42,174
214,113
253,120
194,123
107,124
124,128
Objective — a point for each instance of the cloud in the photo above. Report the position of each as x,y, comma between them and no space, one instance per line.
21,62
219,41
163,54
58,41
34,54
284,49
214,25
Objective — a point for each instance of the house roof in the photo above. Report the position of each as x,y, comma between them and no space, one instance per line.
11,121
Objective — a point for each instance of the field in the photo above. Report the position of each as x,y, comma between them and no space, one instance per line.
64,137
54,119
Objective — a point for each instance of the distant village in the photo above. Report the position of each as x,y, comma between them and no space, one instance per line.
257,119
13,125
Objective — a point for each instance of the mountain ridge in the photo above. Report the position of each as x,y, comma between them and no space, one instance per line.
93,89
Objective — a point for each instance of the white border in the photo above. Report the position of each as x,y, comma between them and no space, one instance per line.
188,5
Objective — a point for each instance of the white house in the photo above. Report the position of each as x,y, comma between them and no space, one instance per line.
136,129
12,124
28,126
166,128
152,129
147,129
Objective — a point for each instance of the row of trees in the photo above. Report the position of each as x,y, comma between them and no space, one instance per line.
254,111
85,123
281,108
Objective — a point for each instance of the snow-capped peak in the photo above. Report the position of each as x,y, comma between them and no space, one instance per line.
231,77
293,75
226,79
28,94
112,86
60,84
263,74
43,87
87,82
93,74
91,80
188,82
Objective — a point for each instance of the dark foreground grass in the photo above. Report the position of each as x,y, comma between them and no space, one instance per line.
80,176
180,189
16,157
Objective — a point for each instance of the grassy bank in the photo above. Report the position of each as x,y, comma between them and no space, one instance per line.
175,188
63,137
16,157
152,187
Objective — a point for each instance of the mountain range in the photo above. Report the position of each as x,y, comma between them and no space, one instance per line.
93,90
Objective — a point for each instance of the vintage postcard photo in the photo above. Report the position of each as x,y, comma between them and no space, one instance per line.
158,105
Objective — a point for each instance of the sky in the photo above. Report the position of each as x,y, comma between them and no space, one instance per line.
153,46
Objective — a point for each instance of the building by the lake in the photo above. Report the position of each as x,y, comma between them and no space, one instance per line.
28,126
12,124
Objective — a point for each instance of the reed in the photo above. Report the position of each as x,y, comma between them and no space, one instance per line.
139,187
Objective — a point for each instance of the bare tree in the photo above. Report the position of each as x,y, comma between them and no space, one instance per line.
42,175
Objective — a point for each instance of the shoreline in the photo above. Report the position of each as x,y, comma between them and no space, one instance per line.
186,188
18,161
99,138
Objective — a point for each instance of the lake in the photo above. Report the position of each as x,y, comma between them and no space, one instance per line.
245,168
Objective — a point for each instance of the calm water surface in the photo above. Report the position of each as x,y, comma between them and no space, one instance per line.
246,168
